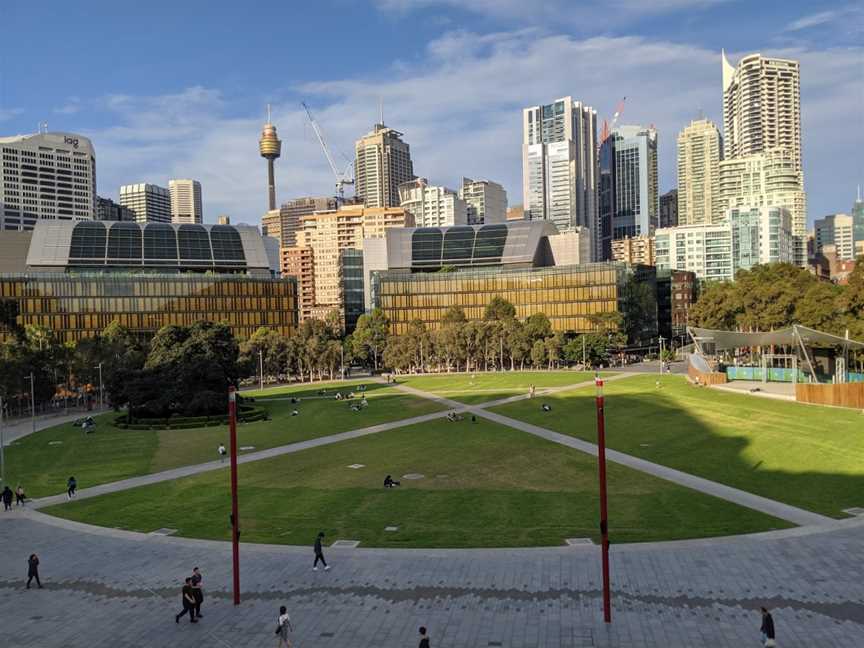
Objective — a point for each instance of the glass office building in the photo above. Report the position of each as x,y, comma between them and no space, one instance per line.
81,306
568,295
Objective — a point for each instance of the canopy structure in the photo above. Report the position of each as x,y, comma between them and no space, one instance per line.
801,338
795,335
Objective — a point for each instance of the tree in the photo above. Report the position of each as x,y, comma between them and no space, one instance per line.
499,309
554,348
716,308
538,354
370,336
537,327
820,308
518,344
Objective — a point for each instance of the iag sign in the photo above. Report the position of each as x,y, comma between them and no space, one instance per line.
71,140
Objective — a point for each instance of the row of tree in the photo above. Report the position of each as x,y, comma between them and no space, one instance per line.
770,297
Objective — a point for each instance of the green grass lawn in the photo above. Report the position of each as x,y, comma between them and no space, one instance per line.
481,387
485,485
804,455
111,453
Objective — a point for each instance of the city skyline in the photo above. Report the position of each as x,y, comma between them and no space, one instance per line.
481,69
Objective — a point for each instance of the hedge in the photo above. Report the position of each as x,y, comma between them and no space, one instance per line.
247,414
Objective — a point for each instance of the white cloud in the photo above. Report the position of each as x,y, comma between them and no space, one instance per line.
71,107
9,113
460,110
812,20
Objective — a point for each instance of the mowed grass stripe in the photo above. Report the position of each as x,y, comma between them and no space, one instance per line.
484,485
806,456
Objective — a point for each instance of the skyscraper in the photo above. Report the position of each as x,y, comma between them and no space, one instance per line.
669,209
858,218
836,230
699,155
559,164
270,147
382,162
151,203
46,176
186,205
762,115
285,222
629,196
761,106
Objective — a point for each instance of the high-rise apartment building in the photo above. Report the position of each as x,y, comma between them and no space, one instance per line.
328,233
559,164
858,219
669,209
108,210
761,106
634,250
46,176
223,219
629,196
151,203
762,116
767,179
186,204
285,222
837,230
432,206
699,155
299,262
382,163
486,201
745,237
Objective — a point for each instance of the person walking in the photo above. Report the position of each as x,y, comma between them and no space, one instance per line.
283,626
188,599
33,570
7,498
19,495
424,638
71,485
319,553
197,591
768,638
222,452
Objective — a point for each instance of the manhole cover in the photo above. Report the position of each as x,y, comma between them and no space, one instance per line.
577,542
163,532
391,528
413,476
55,443
346,544
856,510
357,466
247,447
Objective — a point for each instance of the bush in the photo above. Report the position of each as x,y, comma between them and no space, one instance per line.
245,414
204,402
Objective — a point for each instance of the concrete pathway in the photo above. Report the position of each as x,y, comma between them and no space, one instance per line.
23,427
110,588
743,498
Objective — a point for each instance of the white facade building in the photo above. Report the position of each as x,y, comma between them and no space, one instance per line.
151,203
486,201
48,176
746,237
186,205
559,164
836,230
382,162
432,206
699,155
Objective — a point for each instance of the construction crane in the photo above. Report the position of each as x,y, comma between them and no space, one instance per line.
342,178
607,129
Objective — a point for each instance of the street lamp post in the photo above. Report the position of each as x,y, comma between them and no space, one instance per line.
235,521
261,368
32,403
661,339
101,387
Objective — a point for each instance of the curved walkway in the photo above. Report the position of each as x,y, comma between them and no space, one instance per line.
106,587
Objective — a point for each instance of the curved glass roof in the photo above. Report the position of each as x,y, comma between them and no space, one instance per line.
434,247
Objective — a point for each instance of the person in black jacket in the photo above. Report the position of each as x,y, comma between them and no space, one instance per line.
33,570
767,628
7,498
319,553
188,598
424,638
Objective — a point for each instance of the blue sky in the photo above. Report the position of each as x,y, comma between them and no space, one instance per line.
177,89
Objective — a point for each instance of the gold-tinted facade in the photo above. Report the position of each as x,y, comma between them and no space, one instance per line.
568,295
81,306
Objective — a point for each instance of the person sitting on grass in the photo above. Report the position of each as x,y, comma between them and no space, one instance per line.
362,388
294,400
364,402
547,408
338,395
356,408
295,413
389,483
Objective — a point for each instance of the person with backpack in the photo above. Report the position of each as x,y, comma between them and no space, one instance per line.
71,485
283,626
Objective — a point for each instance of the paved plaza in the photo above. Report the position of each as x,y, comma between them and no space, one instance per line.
108,587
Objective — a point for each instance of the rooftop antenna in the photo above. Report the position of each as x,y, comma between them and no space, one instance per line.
381,109
701,114
859,193
268,114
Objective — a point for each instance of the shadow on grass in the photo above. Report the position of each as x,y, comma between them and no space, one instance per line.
810,457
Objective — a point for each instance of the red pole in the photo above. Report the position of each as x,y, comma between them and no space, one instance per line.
604,518
235,521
